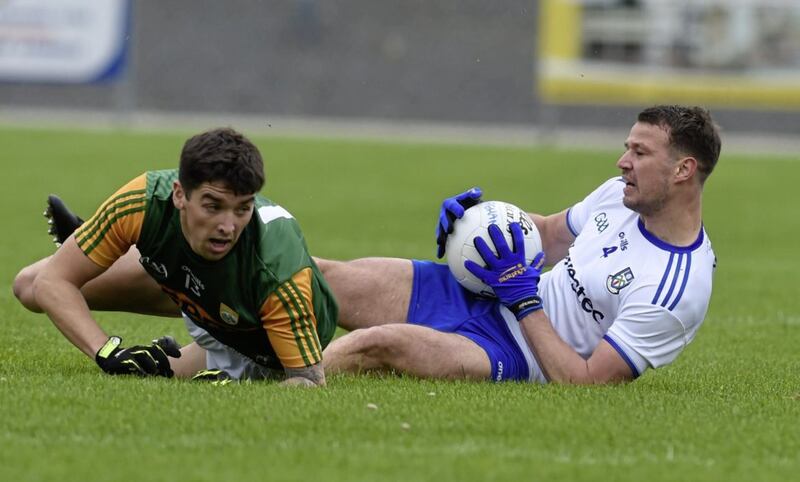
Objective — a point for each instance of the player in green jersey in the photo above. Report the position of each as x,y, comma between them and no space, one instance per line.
233,263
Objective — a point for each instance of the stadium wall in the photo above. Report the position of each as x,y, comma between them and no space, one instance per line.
467,61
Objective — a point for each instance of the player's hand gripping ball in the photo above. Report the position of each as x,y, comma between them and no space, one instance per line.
475,222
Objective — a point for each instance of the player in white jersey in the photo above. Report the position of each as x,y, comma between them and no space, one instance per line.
622,284
629,288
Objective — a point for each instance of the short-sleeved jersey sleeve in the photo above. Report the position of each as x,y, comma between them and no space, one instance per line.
116,225
291,324
578,215
647,335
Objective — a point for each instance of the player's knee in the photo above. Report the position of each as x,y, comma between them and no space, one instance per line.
380,343
24,289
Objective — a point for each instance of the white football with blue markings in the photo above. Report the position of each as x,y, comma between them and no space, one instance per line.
475,223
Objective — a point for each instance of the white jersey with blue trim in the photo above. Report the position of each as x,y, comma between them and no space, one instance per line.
621,283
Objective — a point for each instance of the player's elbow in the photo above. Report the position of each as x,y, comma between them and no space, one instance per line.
577,378
303,382
596,376
24,289
311,376
585,374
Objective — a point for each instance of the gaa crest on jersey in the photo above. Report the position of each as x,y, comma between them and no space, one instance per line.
617,281
228,314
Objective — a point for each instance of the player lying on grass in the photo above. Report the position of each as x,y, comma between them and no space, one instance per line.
235,265
629,288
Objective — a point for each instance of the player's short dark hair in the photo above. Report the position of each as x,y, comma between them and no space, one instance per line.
221,155
691,131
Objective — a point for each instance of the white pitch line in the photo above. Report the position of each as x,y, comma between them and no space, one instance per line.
507,135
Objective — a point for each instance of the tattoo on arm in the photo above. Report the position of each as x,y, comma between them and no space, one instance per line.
305,376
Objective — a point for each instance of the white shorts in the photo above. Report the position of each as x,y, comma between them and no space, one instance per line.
222,357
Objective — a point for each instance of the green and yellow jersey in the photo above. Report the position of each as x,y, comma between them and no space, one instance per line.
266,298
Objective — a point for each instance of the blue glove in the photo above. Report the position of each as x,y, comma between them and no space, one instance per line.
515,283
453,208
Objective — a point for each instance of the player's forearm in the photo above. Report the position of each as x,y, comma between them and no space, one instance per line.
66,307
559,361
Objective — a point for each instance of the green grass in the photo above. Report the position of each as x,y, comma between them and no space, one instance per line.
728,409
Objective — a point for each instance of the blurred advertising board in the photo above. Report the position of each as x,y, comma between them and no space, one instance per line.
69,41
736,53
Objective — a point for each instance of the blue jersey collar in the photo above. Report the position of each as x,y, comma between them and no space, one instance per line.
670,247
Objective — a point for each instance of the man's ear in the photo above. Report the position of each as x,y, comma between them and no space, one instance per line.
685,169
178,195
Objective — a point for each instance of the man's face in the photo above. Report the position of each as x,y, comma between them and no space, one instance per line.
212,217
647,164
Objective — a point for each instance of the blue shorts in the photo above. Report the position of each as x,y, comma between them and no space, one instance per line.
439,302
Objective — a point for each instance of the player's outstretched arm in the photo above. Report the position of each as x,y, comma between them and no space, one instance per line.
57,291
313,376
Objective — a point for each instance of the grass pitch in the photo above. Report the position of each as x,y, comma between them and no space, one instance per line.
728,409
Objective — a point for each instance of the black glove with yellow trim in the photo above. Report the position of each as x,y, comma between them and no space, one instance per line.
215,376
150,360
